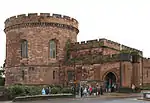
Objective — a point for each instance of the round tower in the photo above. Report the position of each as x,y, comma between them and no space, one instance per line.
35,46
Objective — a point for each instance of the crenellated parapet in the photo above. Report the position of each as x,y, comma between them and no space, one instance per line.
96,43
43,19
146,59
112,44
104,43
123,47
119,46
146,62
87,44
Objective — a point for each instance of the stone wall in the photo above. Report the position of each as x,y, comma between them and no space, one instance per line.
110,67
111,46
38,30
32,75
109,51
94,72
146,71
38,68
126,74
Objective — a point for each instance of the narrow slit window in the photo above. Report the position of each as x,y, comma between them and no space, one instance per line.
54,74
24,48
52,49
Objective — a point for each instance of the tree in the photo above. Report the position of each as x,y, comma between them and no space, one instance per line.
2,75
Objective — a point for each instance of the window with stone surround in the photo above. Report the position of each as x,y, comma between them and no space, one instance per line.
70,75
52,49
24,48
54,74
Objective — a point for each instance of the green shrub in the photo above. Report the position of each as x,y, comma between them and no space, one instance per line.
125,90
66,90
33,90
55,90
23,90
16,90
2,81
52,86
137,90
58,86
146,87
129,90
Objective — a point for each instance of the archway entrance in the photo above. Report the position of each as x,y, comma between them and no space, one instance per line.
110,82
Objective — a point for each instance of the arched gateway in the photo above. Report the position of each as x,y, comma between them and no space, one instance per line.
110,79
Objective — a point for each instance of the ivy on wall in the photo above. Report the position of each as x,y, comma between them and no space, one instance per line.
129,52
133,56
93,58
67,50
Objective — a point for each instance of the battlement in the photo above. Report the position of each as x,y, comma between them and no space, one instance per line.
122,47
88,42
131,49
97,43
148,59
91,41
42,17
146,62
103,42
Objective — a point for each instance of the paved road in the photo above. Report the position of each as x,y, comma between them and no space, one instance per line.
88,100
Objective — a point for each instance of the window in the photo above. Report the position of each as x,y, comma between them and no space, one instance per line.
131,58
52,49
23,73
31,68
24,48
70,75
54,74
147,73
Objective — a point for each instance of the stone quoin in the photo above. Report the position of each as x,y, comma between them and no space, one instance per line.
43,49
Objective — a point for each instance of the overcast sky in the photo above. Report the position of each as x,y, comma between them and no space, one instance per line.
123,21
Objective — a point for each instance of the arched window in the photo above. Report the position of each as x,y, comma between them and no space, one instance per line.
24,48
52,49
70,75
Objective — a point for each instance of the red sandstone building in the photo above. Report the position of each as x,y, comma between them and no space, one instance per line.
43,49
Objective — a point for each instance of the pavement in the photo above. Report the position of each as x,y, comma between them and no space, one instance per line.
88,100
106,98
115,95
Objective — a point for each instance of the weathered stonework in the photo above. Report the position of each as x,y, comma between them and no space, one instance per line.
146,71
38,31
89,60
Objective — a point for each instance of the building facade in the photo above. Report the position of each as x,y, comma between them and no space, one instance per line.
43,49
